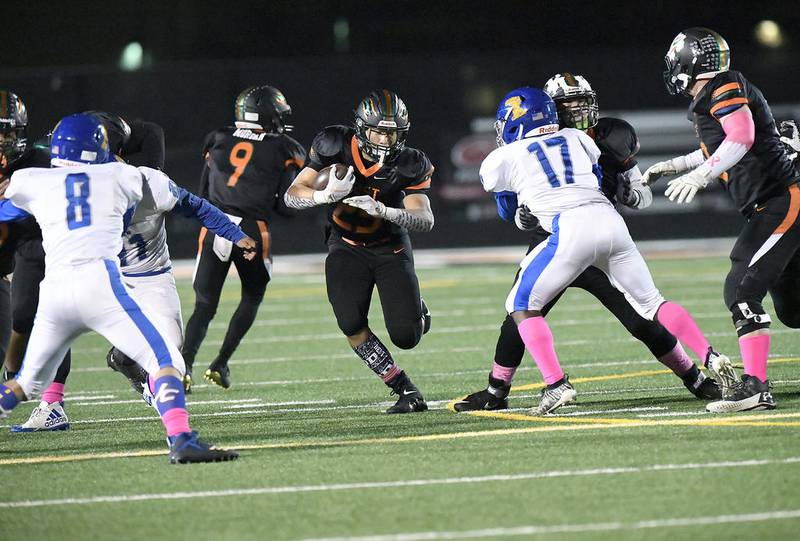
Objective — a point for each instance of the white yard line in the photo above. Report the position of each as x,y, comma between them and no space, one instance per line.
296,489
577,528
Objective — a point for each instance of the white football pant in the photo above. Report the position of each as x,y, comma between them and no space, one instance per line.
74,299
593,234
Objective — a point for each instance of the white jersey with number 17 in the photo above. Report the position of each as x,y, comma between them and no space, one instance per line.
550,174
79,209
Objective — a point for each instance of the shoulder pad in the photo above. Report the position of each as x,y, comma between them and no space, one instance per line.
616,139
727,92
413,164
331,140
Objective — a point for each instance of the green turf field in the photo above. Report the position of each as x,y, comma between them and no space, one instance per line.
636,458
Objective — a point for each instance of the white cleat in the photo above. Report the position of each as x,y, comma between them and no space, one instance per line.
749,395
554,398
721,368
45,418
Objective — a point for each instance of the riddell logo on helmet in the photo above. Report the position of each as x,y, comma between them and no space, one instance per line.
550,128
387,124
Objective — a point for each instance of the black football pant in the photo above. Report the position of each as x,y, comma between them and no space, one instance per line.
5,316
766,258
510,348
353,271
28,273
210,274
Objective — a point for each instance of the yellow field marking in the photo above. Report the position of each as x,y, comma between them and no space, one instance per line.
307,444
640,374
555,424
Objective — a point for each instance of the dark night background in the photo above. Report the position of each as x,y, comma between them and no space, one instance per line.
450,61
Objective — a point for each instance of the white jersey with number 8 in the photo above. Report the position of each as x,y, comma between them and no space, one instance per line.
79,209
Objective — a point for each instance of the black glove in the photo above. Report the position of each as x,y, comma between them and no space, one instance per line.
524,219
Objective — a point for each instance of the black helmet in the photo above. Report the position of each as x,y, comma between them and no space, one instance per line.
696,53
119,132
263,108
13,127
383,111
582,111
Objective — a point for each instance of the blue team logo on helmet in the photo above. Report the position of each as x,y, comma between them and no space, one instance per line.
79,139
525,112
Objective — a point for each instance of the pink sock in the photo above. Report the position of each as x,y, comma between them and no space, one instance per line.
539,342
503,373
755,350
677,360
393,371
678,321
53,393
176,421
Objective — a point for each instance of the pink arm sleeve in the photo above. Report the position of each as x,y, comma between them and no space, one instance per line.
740,132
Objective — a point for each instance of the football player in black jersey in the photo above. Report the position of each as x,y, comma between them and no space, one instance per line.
370,213
13,145
577,107
140,143
740,146
248,167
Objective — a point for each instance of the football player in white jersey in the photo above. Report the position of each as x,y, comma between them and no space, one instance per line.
80,209
147,271
554,173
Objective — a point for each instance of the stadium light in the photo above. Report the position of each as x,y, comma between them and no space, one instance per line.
341,35
769,34
132,56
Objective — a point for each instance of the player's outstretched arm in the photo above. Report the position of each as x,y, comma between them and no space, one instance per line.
191,206
417,215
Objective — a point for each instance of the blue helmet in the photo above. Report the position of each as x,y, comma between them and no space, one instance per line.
525,112
79,139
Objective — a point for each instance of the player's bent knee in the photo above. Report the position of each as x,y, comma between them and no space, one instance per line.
749,316
351,327
405,336
22,325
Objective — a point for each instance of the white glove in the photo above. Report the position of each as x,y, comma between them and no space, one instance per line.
337,188
685,187
658,170
368,205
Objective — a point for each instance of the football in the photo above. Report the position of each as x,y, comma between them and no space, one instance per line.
323,175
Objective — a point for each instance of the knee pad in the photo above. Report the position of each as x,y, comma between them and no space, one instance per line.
349,327
205,308
749,316
22,325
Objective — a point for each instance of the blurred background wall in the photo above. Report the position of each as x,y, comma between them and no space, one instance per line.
182,63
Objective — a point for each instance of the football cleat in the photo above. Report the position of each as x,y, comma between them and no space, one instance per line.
749,394
721,368
187,447
119,362
187,381
45,418
426,317
701,386
410,399
218,374
554,396
493,397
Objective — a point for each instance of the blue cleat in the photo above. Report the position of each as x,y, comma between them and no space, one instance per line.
187,447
